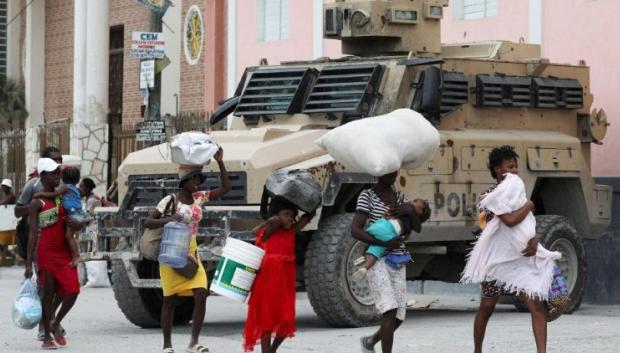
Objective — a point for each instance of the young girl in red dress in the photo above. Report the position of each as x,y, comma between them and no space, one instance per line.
271,308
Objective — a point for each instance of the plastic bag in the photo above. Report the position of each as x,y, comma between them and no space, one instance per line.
383,144
27,311
192,148
97,274
559,298
296,186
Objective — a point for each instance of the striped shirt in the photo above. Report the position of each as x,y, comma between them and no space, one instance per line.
369,204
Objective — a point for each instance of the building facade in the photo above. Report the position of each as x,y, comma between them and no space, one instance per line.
74,57
230,35
564,28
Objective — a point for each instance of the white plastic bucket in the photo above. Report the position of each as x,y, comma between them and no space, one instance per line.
237,270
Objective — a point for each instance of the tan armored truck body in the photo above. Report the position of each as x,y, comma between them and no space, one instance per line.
479,96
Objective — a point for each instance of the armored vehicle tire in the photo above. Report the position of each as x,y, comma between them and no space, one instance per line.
334,295
558,234
142,306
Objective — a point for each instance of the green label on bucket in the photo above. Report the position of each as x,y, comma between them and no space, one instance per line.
234,276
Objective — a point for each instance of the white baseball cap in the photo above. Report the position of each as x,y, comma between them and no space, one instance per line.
7,182
46,165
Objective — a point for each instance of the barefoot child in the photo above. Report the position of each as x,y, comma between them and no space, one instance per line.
386,229
71,199
271,308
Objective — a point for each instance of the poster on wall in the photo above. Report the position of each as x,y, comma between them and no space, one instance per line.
148,45
147,74
154,131
193,33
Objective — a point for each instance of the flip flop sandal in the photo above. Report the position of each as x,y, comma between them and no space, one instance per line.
168,350
48,345
59,337
365,349
198,348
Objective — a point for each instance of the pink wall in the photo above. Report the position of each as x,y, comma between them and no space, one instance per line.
579,29
572,30
509,24
297,46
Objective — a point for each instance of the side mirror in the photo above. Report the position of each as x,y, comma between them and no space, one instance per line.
225,109
427,99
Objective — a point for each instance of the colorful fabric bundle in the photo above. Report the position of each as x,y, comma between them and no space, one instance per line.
558,295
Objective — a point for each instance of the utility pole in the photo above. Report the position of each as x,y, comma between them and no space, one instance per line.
154,111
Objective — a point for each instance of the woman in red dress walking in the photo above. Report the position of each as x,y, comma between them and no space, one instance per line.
271,308
55,272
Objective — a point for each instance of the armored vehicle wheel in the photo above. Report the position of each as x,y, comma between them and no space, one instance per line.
142,306
335,296
558,234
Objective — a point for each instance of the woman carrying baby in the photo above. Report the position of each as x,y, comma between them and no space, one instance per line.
499,259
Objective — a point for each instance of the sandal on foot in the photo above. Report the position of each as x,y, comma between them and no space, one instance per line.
48,344
360,274
167,350
359,261
197,348
364,347
59,336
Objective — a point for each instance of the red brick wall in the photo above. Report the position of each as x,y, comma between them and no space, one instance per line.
58,60
193,86
215,53
134,17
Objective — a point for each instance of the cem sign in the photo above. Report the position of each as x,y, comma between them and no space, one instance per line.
151,130
147,45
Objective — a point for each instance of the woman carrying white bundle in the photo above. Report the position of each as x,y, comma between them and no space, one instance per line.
507,258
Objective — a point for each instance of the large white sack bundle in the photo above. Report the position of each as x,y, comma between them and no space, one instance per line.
383,144
192,148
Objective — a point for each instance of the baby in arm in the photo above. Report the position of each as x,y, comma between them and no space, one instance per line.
386,229
71,200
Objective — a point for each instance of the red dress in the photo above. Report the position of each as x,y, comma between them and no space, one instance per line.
54,255
271,308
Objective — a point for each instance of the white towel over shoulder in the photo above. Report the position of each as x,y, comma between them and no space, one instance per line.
496,256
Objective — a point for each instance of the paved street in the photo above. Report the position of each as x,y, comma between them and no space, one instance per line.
96,325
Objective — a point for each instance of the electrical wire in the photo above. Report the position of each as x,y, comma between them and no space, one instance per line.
20,12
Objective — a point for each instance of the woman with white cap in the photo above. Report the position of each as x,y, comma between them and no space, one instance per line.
54,271
186,207
8,197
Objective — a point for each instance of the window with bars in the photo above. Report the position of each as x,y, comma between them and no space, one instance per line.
3,35
474,9
272,20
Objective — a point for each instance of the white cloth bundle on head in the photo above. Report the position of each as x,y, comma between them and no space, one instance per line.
383,144
496,256
192,148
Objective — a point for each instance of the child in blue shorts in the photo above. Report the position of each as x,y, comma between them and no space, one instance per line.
386,229
71,199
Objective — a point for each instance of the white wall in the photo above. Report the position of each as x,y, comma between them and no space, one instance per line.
171,76
13,32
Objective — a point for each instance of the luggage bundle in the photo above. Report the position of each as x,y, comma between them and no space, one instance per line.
383,144
192,148
295,186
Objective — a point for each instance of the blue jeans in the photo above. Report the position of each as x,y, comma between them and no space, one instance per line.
382,230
